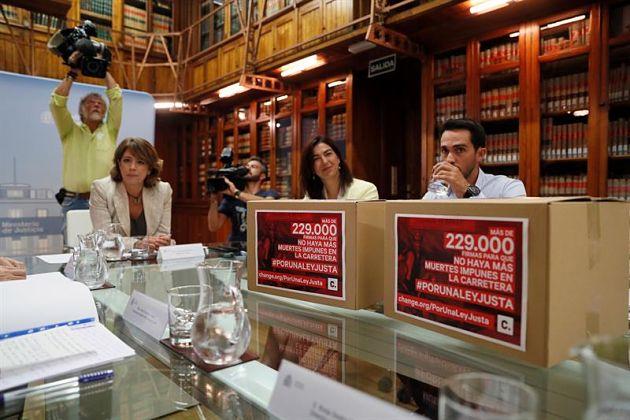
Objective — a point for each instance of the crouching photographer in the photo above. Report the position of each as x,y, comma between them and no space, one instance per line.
233,192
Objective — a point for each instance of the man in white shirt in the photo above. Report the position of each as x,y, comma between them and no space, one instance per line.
462,149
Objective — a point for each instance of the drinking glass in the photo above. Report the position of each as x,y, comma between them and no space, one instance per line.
113,245
221,330
607,368
485,396
140,248
183,302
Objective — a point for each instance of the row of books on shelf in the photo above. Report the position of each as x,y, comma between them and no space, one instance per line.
274,5
283,186
563,141
500,102
264,138
449,107
309,99
284,137
337,92
619,143
46,20
336,127
285,105
619,83
102,7
264,109
619,188
103,33
575,35
134,18
499,54
283,165
12,13
162,24
452,64
562,93
563,185
502,148
135,37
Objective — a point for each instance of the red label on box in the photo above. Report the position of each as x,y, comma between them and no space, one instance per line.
464,273
302,251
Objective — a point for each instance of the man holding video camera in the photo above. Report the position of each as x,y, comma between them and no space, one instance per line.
234,202
88,147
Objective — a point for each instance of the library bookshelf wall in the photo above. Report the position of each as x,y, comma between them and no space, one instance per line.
275,128
567,133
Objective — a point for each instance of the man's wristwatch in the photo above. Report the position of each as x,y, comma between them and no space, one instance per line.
472,191
237,194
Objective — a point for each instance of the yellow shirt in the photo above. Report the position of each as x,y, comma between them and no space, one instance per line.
87,155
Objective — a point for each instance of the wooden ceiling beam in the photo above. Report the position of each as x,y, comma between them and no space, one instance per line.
390,39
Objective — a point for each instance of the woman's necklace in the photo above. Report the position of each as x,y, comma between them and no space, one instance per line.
135,200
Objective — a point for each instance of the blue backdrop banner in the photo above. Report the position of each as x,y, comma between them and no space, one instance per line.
31,157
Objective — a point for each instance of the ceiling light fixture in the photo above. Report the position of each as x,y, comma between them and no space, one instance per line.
359,47
167,105
336,83
299,66
282,98
563,22
231,90
485,6
515,34
580,113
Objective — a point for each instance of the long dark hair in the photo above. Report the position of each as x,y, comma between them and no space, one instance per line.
313,184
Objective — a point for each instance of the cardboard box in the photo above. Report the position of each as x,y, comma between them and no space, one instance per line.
321,251
530,278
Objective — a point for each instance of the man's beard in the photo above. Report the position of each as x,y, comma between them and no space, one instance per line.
251,178
95,117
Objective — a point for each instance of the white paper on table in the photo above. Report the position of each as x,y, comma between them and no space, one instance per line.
42,302
176,252
55,258
42,347
302,394
108,347
147,313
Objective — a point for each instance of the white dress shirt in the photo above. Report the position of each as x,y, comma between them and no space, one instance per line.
491,186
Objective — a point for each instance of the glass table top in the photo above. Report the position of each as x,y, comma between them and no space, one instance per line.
388,359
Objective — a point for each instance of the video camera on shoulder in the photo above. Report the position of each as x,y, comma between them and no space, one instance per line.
95,56
236,174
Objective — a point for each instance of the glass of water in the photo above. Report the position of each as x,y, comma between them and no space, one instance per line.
183,302
113,245
221,330
488,397
140,248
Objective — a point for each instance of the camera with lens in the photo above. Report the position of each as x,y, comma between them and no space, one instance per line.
236,174
95,56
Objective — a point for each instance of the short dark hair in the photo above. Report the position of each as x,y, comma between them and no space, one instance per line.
477,133
311,183
263,164
142,150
